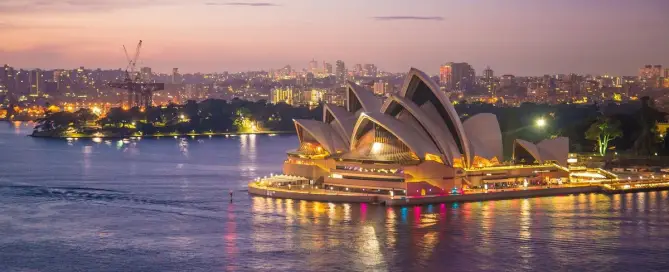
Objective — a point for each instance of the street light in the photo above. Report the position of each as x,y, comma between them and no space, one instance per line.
541,122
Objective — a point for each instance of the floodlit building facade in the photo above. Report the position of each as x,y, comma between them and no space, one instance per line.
282,95
413,143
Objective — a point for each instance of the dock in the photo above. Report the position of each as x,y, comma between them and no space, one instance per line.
311,193
637,186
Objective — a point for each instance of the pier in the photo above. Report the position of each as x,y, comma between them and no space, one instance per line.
303,190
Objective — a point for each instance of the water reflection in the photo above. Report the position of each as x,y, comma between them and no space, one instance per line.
163,211
485,246
368,249
230,239
183,147
86,163
17,127
391,227
525,249
248,156
484,227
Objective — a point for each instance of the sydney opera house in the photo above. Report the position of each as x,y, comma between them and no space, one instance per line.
415,143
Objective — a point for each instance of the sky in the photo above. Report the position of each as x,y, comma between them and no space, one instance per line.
520,37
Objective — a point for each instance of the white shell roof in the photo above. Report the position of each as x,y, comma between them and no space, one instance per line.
485,136
548,150
342,118
324,134
445,102
369,101
554,150
530,147
437,130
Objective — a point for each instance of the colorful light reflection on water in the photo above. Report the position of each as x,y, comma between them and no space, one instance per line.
163,205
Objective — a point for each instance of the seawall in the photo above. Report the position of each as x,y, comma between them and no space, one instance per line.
297,195
399,201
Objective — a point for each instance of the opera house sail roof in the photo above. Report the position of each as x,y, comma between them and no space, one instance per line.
549,150
417,124
341,121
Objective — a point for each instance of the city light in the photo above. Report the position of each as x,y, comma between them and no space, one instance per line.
96,110
541,122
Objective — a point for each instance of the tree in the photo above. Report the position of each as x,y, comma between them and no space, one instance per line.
116,117
85,116
192,110
243,112
603,131
56,123
648,116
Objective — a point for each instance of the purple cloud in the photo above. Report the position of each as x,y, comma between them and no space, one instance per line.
32,6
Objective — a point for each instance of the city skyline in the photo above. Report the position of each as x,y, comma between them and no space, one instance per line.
586,37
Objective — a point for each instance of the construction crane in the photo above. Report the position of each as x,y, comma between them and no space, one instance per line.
132,62
140,94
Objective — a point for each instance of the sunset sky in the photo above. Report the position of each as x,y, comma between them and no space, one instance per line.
522,37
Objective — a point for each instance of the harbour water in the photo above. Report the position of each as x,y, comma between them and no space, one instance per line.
164,205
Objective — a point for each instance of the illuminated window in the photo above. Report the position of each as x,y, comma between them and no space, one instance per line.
376,143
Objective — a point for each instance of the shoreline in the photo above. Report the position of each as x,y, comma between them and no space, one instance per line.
342,197
218,134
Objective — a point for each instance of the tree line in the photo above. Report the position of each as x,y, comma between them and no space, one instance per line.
597,128
208,116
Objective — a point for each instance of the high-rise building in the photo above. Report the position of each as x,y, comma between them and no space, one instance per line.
456,76
650,75
335,97
309,78
36,82
327,68
340,73
445,75
379,87
488,81
305,79
507,81
313,67
650,71
357,70
618,81
286,71
22,81
176,77
146,74
314,96
282,95
7,82
488,73
666,73
371,70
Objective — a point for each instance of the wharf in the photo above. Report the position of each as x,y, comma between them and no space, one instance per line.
500,195
156,136
611,187
337,196
638,186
